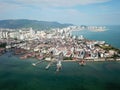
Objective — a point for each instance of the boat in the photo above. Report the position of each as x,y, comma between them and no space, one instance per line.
40,57
33,64
23,57
82,63
59,66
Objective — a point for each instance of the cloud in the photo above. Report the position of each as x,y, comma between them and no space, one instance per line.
106,8
4,7
59,10
55,3
61,15
10,5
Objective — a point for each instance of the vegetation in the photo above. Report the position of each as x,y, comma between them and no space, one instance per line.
36,25
115,56
68,58
108,47
3,45
97,45
15,38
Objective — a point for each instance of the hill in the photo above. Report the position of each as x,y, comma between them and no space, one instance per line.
25,23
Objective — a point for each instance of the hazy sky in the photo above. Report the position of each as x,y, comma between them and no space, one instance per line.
88,12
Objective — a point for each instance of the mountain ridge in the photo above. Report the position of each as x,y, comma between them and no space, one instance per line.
35,24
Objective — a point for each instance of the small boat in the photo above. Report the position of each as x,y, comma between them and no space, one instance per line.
59,66
40,57
23,57
82,63
33,64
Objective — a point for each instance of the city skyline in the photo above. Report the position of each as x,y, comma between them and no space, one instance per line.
88,12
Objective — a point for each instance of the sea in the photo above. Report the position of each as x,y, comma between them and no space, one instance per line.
111,35
16,74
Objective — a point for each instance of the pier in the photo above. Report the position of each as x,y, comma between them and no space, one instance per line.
34,64
59,66
49,64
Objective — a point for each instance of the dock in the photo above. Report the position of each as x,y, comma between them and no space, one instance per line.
59,66
49,64
34,64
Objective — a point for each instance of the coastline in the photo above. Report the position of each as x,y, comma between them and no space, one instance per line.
92,30
63,45
91,60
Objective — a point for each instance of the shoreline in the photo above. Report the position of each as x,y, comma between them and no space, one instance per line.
91,60
86,60
92,30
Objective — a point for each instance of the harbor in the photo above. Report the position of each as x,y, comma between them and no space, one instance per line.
57,47
31,67
17,75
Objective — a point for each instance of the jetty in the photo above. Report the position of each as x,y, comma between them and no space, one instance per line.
34,64
59,66
49,64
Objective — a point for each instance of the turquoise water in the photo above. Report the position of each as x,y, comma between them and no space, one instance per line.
111,36
16,74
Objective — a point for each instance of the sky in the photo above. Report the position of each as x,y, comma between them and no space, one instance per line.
78,12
